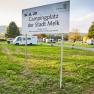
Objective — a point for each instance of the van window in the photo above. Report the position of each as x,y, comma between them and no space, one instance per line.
19,39
28,38
23,38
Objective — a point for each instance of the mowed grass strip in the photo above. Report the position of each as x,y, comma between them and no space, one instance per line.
40,74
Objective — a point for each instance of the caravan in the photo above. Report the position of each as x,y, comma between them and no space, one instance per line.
90,41
21,40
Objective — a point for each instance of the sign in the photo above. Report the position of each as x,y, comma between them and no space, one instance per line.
52,18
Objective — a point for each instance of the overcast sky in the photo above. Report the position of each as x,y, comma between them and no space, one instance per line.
81,14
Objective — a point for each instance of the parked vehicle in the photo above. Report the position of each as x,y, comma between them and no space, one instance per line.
90,41
10,40
50,41
21,40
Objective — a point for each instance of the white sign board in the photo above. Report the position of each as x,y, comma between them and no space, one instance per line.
52,18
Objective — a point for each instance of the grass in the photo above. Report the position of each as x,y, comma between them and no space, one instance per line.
40,73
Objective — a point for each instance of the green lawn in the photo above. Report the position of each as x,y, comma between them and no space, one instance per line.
40,74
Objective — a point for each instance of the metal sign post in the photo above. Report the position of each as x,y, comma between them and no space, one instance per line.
26,48
61,68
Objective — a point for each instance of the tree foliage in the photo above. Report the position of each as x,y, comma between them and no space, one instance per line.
91,31
85,37
41,35
12,30
65,37
74,36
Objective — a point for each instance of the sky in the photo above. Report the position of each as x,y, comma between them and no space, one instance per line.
81,12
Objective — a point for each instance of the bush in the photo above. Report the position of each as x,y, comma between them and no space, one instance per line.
2,39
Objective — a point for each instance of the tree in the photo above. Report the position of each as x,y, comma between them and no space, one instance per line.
65,37
12,30
85,37
74,36
41,35
91,31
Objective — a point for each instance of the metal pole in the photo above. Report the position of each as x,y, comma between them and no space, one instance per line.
61,67
26,48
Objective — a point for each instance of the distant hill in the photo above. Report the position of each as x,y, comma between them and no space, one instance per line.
3,29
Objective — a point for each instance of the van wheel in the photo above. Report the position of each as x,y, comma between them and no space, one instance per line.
17,44
8,42
30,44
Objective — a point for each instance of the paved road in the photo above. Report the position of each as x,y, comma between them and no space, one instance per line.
76,47
82,48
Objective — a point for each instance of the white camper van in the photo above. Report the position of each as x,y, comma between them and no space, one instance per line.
90,41
21,40
50,41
